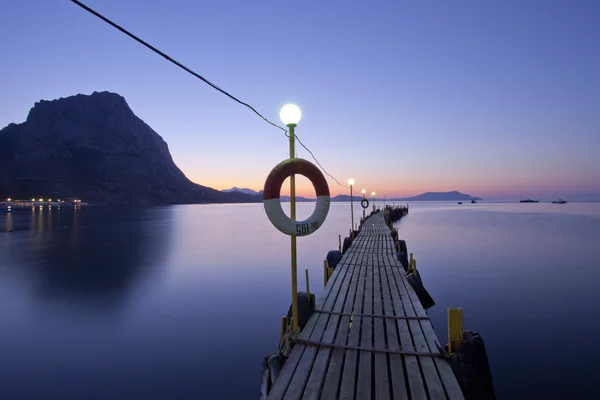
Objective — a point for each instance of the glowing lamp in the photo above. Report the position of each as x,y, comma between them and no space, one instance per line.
290,114
372,193
350,181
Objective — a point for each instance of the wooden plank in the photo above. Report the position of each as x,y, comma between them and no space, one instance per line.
319,368
333,377
302,372
399,385
351,362
382,384
413,373
428,368
363,389
287,373
444,369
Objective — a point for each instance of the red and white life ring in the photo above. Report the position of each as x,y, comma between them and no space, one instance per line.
272,202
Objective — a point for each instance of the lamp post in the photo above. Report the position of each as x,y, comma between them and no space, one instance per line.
373,200
351,182
363,193
290,115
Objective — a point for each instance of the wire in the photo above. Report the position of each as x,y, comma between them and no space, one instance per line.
317,161
180,65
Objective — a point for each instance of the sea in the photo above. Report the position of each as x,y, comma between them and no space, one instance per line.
183,302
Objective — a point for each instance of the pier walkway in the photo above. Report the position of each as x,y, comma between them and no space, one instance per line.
369,337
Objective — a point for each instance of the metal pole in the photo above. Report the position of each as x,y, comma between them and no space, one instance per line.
352,212
293,238
364,197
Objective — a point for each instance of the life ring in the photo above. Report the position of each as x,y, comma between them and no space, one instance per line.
272,201
364,203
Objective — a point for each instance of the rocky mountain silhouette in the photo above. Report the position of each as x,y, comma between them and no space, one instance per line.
94,147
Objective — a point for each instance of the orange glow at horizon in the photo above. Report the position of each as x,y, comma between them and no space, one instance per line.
410,186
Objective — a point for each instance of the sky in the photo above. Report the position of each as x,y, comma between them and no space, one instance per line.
497,99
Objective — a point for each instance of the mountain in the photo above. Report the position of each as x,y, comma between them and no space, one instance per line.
345,197
242,190
299,199
94,147
439,196
428,196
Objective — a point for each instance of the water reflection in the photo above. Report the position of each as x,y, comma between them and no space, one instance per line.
94,261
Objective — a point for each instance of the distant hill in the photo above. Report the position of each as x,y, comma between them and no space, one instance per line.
94,147
252,192
345,197
439,196
428,196
242,190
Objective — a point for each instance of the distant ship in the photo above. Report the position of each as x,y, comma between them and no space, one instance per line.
473,201
559,201
530,201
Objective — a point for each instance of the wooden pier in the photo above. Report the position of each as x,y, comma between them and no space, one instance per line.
369,337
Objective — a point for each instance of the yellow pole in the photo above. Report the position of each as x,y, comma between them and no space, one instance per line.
351,214
293,240
325,272
455,328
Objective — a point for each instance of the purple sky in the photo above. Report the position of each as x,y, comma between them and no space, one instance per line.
496,100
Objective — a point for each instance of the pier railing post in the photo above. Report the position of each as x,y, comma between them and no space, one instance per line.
455,328
307,284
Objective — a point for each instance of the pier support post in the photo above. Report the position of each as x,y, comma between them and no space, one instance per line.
340,243
284,325
307,285
455,328
414,266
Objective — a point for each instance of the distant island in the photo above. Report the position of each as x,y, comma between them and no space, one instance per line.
427,196
440,196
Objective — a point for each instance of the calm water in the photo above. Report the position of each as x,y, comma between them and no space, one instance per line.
183,302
